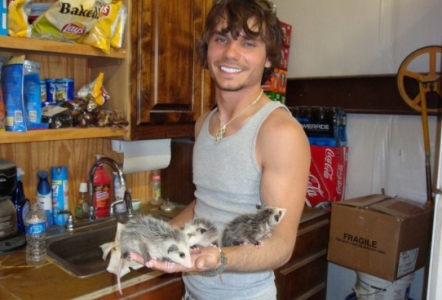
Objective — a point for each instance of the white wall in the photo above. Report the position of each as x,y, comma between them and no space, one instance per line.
357,37
368,37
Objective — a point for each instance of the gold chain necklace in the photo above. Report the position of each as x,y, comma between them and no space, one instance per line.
222,130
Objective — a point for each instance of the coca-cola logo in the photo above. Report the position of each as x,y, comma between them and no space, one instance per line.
340,181
73,30
328,164
314,188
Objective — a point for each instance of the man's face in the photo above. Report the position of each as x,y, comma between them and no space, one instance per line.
236,63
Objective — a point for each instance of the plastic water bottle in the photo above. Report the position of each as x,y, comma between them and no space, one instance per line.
35,224
44,195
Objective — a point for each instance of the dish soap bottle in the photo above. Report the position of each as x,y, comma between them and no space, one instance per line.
119,194
156,188
102,191
82,208
44,195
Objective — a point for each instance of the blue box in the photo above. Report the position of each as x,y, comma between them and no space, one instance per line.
4,17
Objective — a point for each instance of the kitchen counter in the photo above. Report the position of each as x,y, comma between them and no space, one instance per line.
18,280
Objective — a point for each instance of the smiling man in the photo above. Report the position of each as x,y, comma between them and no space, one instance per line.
248,151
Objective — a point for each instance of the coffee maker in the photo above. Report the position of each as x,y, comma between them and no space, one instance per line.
11,239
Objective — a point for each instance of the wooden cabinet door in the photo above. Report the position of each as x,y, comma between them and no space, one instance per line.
169,89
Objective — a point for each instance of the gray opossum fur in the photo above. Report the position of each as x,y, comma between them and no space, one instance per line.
153,238
201,232
252,228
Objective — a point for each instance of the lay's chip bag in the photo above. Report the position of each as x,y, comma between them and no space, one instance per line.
67,20
102,31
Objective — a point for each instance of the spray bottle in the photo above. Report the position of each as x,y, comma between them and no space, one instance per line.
21,203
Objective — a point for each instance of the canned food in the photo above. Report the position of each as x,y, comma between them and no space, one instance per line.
64,89
43,91
50,90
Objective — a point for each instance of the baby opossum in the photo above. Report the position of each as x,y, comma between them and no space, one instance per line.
252,228
201,232
153,239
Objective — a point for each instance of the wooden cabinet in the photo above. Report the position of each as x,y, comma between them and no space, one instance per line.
305,275
156,78
164,287
169,89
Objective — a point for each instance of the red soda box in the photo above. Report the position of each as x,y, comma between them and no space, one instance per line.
287,30
328,173
285,58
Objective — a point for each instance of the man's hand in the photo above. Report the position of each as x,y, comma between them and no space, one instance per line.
202,260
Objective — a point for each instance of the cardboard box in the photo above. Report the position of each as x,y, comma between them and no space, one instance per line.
379,235
285,58
274,96
328,174
277,81
287,30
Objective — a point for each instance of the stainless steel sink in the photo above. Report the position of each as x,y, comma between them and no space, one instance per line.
80,252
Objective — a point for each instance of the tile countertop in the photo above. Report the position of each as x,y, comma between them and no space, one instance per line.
18,280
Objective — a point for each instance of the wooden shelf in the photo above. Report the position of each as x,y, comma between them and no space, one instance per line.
36,45
8,137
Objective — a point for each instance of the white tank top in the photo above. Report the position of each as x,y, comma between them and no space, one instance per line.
227,179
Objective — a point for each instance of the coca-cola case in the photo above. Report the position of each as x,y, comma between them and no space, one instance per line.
328,173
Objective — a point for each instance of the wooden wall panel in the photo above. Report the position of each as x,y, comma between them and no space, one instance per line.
77,155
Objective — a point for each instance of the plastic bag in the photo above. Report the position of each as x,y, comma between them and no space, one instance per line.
66,20
18,12
100,34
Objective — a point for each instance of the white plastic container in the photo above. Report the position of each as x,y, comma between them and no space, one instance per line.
369,287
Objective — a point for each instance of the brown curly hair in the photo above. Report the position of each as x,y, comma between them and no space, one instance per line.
237,13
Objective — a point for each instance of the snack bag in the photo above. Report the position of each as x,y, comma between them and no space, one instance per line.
18,12
118,32
66,20
101,32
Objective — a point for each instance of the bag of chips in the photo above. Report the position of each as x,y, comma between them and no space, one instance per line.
67,20
18,12
101,32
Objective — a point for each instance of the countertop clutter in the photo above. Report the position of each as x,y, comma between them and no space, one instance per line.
18,280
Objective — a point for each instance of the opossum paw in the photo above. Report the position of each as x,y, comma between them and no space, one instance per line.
170,264
259,244
150,263
266,236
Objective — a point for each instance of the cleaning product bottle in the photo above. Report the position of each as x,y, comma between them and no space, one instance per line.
119,194
21,203
60,193
102,191
156,188
44,195
82,208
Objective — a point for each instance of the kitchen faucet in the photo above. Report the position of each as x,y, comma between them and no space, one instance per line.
116,167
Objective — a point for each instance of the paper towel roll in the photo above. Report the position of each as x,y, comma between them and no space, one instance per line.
144,155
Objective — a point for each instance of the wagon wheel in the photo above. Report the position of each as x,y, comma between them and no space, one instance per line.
423,87
428,83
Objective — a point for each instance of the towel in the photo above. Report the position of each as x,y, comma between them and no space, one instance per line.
114,249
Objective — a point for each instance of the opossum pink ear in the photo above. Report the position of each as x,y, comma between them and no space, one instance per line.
201,230
172,248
